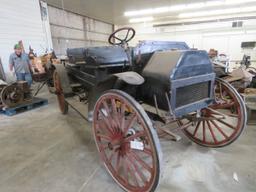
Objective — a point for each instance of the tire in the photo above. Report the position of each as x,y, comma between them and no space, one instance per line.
119,124
228,106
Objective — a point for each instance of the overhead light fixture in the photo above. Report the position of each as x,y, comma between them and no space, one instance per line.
146,11
224,33
141,19
217,12
182,7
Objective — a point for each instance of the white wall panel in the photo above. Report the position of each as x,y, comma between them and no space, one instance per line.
20,20
64,18
98,26
61,45
62,32
97,36
70,30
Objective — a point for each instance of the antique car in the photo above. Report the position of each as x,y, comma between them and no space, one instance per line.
136,94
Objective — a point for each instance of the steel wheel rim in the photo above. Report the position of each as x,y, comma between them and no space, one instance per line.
218,132
59,92
122,158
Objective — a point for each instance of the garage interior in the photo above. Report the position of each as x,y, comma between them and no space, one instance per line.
46,148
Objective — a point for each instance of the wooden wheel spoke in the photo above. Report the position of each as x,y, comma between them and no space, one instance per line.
130,123
215,112
115,113
110,159
110,124
136,135
114,108
132,173
107,116
123,109
219,129
141,162
211,131
106,126
106,107
204,136
196,129
147,151
136,168
122,114
105,137
118,162
232,115
225,123
103,147
126,175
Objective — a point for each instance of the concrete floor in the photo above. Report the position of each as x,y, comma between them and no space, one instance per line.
44,151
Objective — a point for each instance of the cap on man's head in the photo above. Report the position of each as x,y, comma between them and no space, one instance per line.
17,46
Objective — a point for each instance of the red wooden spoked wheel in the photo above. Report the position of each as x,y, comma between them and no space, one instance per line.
127,142
59,92
221,123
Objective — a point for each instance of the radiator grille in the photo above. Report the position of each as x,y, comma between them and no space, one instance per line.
192,93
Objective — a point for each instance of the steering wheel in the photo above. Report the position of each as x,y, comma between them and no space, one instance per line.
114,40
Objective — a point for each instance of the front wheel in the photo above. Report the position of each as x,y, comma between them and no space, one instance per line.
127,142
222,122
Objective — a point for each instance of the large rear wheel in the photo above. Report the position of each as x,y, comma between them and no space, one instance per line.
127,142
222,122
63,105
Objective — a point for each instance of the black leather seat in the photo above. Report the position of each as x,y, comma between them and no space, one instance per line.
108,56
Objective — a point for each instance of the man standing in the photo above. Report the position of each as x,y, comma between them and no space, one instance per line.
21,64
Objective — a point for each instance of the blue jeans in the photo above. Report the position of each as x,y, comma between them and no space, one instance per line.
24,77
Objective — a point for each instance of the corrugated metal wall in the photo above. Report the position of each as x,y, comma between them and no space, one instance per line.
70,30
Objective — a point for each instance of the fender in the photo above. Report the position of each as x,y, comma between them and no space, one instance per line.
130,77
